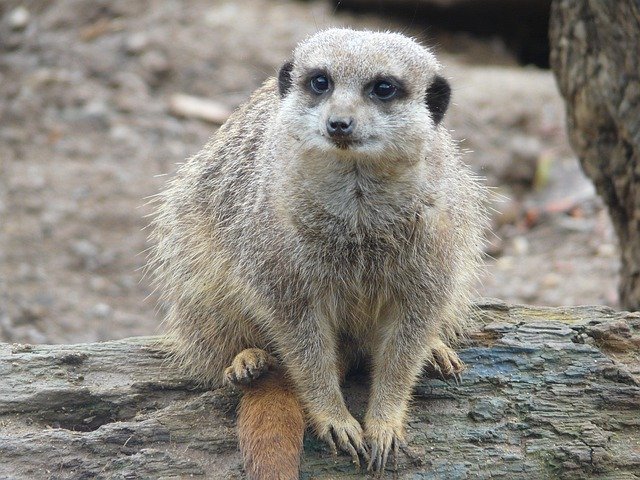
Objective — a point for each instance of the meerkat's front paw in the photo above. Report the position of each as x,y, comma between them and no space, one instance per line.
248,365
346,434
384,437
444,361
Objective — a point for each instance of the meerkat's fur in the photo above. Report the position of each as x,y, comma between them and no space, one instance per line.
319,250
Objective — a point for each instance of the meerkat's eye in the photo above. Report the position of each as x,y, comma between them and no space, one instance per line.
384,90
320,84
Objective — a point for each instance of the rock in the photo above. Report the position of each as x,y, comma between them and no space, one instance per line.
133,92
520,245
156,63
201,108
18,18
89,257
101,311
525,153
136,43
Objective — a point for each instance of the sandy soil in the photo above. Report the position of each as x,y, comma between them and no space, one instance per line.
86,134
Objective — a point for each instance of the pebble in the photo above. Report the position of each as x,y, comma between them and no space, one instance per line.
133,92
136,43
98,284
86,252
30,273
124,134
551,280
101,310
505,263
607,250
520,245
525,152
155,62
18,18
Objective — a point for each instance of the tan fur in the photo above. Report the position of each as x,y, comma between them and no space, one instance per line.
273,238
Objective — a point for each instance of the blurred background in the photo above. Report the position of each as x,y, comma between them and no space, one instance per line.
100,100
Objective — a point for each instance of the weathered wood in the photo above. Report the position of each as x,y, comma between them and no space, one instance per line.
549,393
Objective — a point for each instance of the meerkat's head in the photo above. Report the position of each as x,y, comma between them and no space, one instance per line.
361,94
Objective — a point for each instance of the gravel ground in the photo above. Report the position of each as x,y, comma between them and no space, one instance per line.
86,134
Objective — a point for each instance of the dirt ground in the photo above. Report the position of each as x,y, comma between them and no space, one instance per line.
86,135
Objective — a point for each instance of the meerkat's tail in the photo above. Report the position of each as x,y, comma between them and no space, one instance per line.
271,428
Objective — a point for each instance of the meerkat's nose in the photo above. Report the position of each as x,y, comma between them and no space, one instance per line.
340,126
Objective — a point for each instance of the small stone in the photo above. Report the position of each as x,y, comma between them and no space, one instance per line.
101,310
155,62
133,92
30,313
96,108
551,280
86,253
520,245
505,263
18,18
98,284
136,43
525,154
606,250
84,248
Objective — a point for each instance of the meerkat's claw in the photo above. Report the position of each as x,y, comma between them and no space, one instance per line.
342,440
332,443
384,439
347,436
361,448
248,366
396,454
445,363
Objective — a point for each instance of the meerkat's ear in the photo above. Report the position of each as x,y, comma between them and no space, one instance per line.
284,78
437,98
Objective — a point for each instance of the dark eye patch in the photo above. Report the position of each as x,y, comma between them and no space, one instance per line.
385,88
318,82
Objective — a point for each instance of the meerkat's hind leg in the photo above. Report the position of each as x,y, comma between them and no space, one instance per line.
444,361
248,366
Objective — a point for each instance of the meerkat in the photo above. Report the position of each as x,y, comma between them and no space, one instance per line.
329,223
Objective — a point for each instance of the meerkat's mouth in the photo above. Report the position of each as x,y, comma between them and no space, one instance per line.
345,143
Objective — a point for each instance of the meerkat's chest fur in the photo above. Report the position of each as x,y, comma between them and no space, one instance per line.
359,233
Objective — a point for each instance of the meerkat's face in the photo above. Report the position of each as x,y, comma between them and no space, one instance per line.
362,94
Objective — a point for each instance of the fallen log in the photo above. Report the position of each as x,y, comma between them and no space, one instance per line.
549,393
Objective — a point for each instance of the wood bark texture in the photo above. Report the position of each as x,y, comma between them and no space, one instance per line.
549,393
595,54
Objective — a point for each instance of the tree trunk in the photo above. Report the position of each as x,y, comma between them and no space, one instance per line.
595,53
549,393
